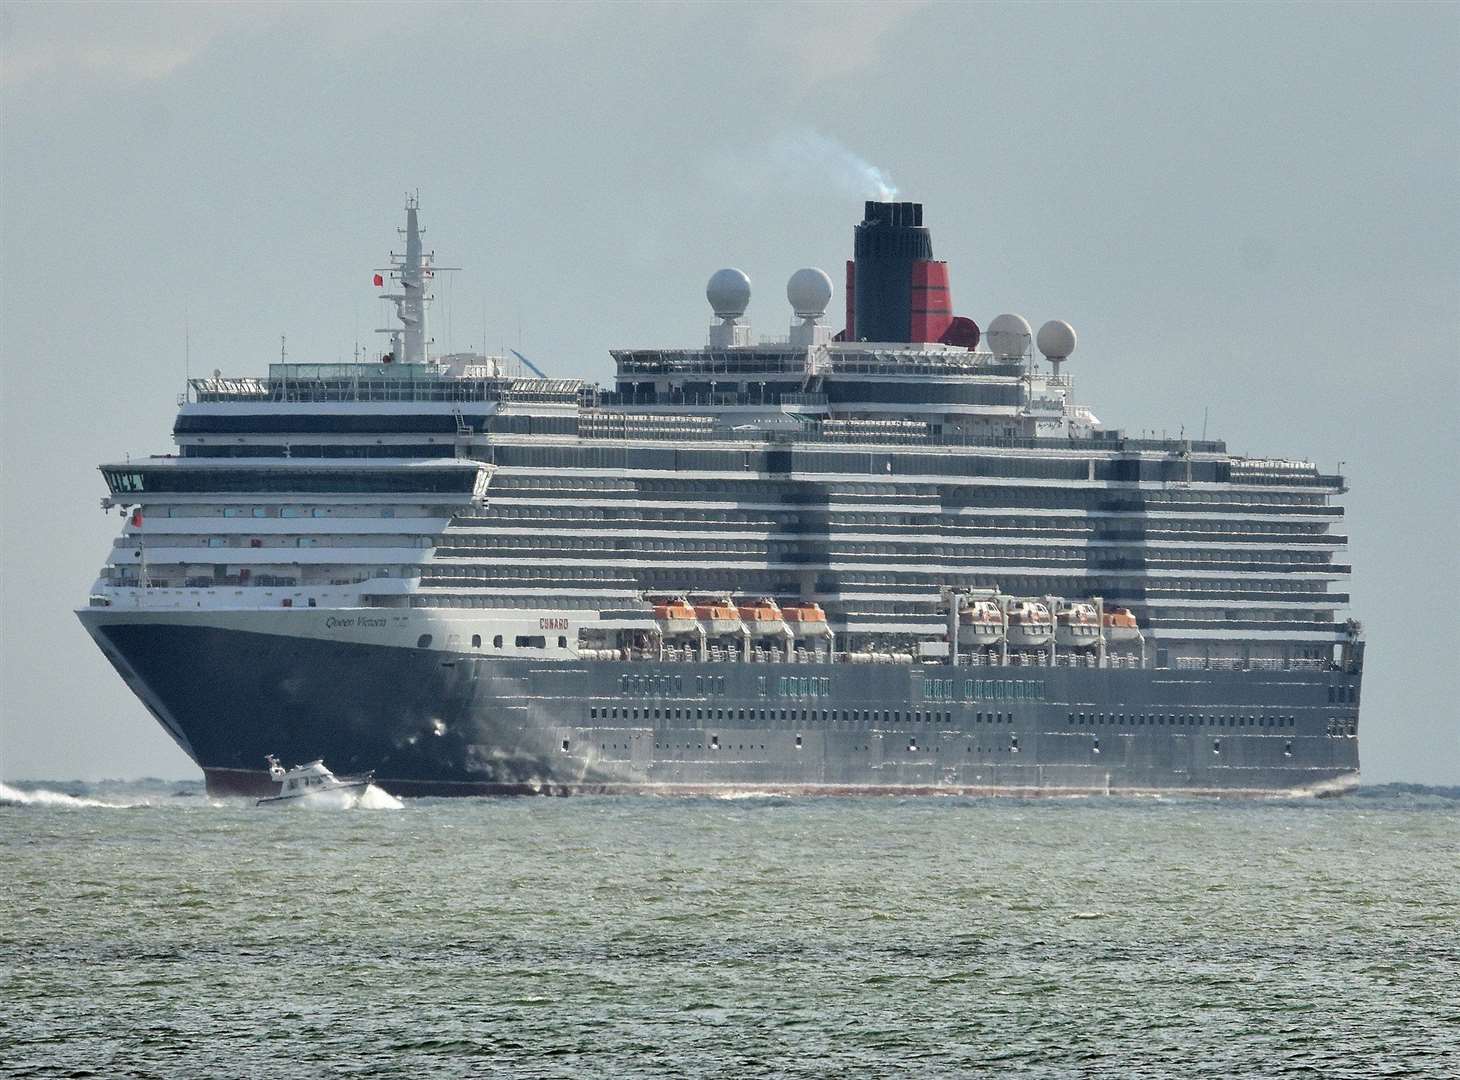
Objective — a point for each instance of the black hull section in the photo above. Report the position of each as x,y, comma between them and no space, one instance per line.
435,723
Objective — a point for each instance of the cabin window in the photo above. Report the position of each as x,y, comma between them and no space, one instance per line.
497,641
476,641
423,641
531,641
562,642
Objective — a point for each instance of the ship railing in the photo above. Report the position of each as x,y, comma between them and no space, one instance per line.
1237,663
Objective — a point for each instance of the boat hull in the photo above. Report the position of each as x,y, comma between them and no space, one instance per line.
433,722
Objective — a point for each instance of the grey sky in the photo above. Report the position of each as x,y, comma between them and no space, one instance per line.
1246,209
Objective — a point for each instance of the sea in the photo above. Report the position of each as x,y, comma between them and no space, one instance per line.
147,930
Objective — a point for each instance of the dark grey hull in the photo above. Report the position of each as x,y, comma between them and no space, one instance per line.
434,723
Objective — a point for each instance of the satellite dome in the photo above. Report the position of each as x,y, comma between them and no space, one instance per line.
728,293
809,291
1056,339
1008,336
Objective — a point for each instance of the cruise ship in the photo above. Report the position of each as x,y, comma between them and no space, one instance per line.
897,556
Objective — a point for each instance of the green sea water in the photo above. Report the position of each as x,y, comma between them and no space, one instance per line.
148,931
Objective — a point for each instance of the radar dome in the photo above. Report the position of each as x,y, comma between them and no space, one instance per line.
1008,336
809,291
728,293
1056,339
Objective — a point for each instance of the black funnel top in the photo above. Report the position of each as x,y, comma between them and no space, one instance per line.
890,239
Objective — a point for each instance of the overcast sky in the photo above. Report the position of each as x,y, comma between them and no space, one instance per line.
1248,212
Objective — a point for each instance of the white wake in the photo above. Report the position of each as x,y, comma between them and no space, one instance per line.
10,796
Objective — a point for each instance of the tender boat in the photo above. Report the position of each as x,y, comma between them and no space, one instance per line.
1077,626
1029,624
311,781
980,623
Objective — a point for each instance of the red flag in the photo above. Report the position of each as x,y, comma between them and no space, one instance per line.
379,281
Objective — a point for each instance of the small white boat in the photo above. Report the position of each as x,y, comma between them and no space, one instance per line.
313,781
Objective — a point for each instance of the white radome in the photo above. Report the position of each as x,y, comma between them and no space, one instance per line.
1008,335
809,291
728,292
1056,340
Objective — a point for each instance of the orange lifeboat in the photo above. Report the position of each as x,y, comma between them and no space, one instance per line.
980,623
763,618
806,620
1121,625
675,616
718,615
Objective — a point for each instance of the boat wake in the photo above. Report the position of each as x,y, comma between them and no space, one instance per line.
10,796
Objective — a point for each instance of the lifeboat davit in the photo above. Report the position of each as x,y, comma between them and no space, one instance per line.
718,615
763,618
806,620
1077,626
980,623
1030,623
675,616
1120,625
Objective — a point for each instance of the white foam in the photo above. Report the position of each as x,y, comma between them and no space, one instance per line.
10,796
374,798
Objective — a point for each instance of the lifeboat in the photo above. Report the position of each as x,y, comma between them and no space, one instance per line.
806,620
1120,625
763,618
1029,624
675,616
718,615
980,623
1077,626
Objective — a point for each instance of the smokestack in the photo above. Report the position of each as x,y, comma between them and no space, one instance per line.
895,292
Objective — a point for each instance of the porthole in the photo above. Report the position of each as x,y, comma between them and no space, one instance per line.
423,641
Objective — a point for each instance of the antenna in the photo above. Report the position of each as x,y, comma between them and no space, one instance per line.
1204,410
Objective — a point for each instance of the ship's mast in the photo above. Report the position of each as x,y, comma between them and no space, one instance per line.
412,270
